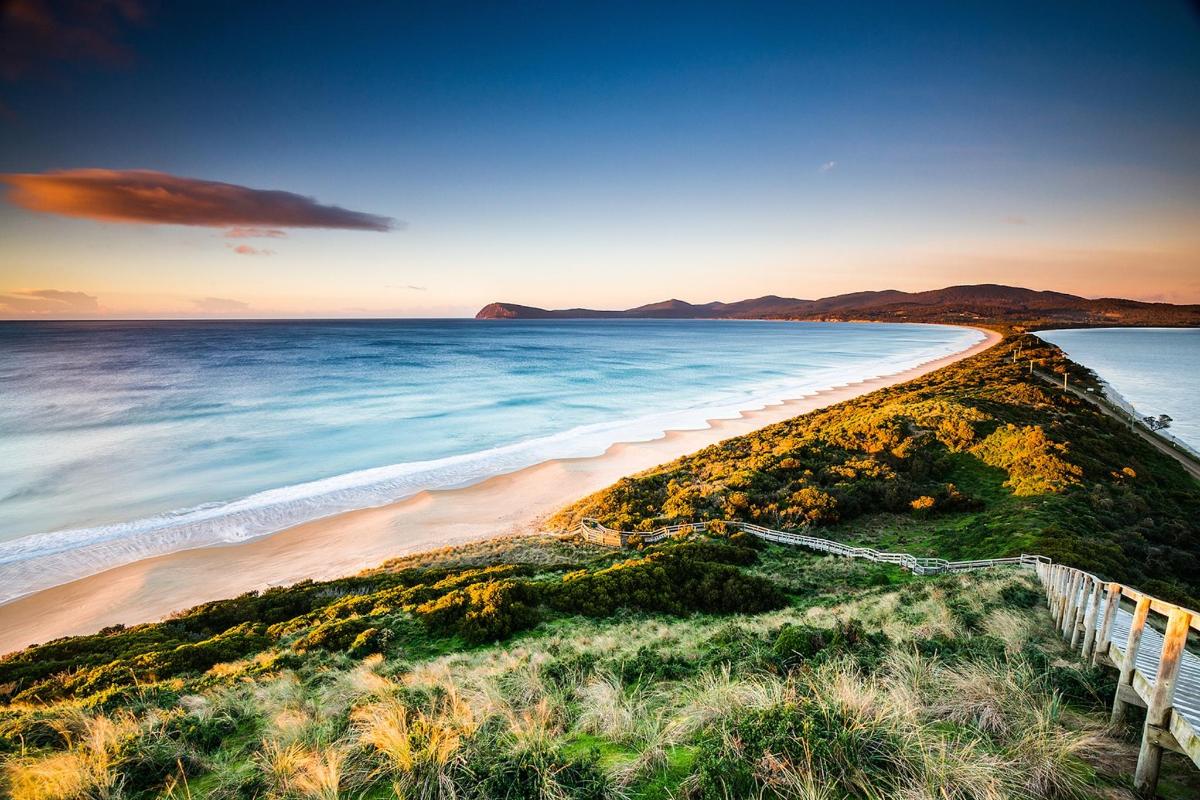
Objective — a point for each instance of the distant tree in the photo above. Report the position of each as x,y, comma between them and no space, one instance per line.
1161,422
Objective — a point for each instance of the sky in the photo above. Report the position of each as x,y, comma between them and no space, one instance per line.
388,159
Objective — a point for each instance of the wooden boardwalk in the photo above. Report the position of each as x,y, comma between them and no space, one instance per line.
1109,623
1118,626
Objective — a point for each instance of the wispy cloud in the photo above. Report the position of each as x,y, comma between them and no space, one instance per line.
828,166
219,305
47,302
406,286
156,198
35,33
255,233
1015,219
247,250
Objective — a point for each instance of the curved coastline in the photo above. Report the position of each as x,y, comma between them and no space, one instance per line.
41,560
348,541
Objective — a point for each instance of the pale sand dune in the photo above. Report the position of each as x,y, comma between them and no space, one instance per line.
346,543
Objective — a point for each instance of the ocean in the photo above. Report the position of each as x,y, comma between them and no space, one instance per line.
124,440
1156,370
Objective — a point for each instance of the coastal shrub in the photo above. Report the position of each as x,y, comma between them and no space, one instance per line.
1035,464
844,752
205,733
370,641
1015,595
1079,684
796,644
650,665
676,580
747,541
335,635
539,775
483,612
958,648
805,645
736,645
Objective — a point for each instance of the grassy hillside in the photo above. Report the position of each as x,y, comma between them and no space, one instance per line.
704,667
978,459
862,681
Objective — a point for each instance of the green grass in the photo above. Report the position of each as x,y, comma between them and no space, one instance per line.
638,705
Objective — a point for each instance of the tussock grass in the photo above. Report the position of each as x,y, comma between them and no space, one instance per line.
87,768
955,703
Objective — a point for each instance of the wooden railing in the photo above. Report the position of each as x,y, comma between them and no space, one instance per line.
1157,673
597,533
1109,623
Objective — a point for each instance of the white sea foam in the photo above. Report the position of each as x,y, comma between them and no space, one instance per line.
34,562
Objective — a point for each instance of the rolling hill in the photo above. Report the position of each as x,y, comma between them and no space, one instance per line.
982,303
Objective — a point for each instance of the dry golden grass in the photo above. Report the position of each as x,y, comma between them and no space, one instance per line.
975,729
85,769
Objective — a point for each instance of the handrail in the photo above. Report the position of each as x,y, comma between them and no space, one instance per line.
595,531
1088,613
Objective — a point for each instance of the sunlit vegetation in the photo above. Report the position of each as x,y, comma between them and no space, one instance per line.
707,666
876,684
978,459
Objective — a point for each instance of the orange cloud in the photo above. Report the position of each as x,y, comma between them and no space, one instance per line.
156,198
255,233
247,250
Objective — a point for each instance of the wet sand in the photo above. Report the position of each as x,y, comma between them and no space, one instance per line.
339,545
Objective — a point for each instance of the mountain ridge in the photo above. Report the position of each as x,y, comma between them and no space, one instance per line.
981,303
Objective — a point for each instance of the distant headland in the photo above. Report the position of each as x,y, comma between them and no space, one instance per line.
981,303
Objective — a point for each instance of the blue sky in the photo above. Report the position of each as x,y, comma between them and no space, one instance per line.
612,154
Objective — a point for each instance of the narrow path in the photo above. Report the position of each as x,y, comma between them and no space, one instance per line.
1185,460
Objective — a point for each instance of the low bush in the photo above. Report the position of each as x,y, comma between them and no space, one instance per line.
805,645
483,612
537,774
679,579
761,753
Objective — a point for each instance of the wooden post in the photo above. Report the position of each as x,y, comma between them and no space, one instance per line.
1158,708
1064,380
1072,601
1111,604
1064,599
1089,623
1129,663
1061,592
1081,608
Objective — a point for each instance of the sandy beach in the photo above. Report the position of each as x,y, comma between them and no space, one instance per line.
518,502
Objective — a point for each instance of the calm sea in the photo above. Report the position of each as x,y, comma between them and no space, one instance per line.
1157,370
123,440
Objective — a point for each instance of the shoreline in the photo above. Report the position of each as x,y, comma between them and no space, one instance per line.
1113,396
346,543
